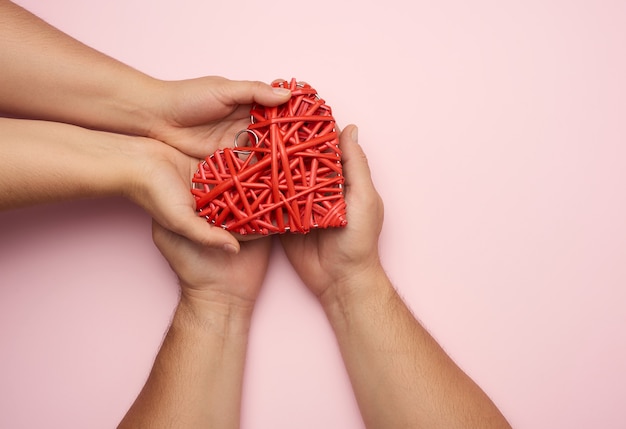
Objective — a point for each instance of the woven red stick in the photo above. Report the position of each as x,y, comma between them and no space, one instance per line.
291,179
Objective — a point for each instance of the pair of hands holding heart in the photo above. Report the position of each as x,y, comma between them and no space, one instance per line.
196,250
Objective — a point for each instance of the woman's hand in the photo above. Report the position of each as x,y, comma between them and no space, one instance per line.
198,116
161,184
48,75
48,162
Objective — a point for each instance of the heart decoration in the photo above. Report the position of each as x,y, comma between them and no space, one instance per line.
289,180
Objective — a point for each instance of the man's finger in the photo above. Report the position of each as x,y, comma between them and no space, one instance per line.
355,166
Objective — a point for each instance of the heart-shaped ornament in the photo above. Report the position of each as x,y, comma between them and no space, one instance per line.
290,179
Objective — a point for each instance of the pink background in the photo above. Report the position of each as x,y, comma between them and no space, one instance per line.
497,136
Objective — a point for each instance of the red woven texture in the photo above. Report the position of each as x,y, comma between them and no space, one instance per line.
289,179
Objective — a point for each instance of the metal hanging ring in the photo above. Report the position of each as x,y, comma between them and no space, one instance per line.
256,138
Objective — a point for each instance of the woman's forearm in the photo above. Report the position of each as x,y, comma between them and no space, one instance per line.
400,375
46,162
48,75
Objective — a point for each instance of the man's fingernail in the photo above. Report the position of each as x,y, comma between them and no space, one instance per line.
230,248
355,134
281,91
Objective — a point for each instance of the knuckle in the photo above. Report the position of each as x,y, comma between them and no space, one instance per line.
256,85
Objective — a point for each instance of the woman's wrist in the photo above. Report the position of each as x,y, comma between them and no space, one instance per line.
146,107
150,172
135,108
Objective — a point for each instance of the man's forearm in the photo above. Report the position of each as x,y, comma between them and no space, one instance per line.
48,75
197,377
400,375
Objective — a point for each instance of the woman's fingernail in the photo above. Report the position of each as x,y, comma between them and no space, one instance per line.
281,91
230,248
355,134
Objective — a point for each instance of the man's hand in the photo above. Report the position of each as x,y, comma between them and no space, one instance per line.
213,276
400,375
197,376
325,259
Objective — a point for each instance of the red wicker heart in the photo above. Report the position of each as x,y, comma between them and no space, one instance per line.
291,179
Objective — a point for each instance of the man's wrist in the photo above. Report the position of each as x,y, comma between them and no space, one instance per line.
356,291
215,314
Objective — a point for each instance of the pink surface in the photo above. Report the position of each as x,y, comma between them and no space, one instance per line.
497,138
